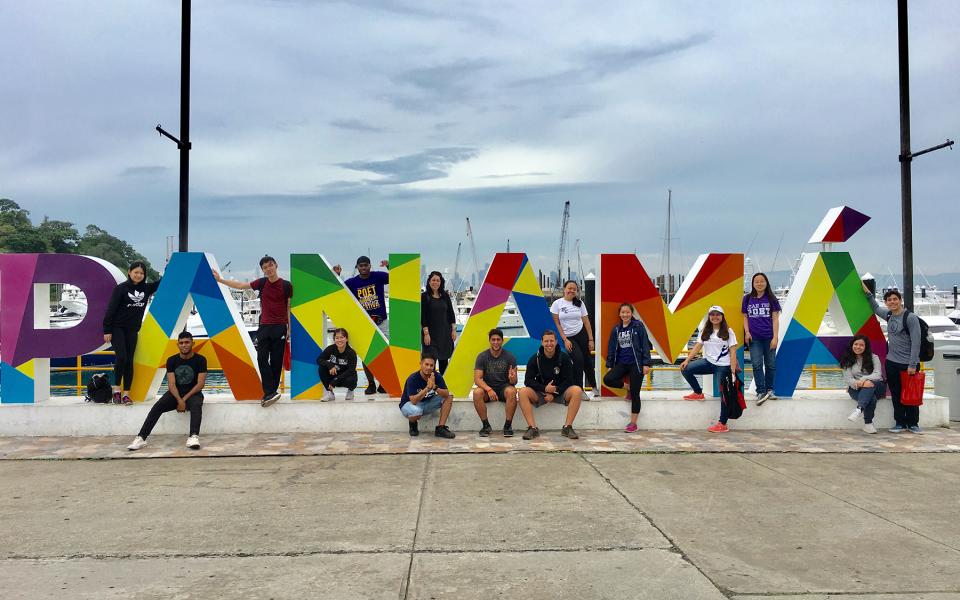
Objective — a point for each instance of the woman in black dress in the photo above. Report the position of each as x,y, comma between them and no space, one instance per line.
438,322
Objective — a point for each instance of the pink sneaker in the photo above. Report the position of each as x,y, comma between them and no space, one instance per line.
116,398
126,401
693,396
718,428
630,428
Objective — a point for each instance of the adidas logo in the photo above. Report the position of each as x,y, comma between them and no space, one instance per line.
136,297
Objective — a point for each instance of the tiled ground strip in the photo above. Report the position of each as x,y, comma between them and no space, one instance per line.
305,444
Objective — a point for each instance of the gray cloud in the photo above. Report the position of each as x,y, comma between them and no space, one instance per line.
144,171
433,163
355,125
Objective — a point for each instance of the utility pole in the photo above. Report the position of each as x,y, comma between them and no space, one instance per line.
183,144
906,157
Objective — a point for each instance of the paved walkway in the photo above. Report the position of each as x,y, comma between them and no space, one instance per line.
168,446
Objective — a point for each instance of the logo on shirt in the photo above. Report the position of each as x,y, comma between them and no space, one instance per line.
368,297
183,374
136,298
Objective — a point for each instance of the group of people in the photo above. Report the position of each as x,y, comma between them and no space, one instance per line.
555,374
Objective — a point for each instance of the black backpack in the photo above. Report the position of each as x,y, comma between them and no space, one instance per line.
98,389
731,394
926,338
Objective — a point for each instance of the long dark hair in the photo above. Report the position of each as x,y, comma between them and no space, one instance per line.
137,264
443,283
767,292
723,334
576,299
848,358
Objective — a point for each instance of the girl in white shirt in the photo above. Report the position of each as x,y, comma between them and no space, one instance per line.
570,316
719,356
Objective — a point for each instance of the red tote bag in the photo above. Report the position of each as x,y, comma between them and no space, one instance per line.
911,388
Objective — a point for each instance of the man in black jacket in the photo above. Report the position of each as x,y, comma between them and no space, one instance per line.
549,379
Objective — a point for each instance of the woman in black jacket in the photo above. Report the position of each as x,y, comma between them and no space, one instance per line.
121,325
628,353
438,322
337,366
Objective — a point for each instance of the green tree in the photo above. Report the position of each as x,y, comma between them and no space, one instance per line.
99,243
17,233
59,236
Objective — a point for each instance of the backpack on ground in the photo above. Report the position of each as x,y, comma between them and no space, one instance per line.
98,389
926,338
731,394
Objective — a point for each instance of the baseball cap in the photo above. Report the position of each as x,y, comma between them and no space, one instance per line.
363,259
715,308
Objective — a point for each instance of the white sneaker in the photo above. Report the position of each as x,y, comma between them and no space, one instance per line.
193,442
349,396
328,396
855,415
869,428
137,443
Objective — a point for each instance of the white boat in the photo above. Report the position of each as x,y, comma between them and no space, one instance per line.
510,321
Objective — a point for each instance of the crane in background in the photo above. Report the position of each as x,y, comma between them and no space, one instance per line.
473,248
580,274
563,243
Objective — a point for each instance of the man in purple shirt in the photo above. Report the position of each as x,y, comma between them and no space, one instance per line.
368,286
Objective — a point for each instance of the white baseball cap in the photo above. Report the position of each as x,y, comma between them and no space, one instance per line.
715,308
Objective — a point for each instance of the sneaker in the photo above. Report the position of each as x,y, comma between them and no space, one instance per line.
693,396
761,398
632,427
915,429
328,396
442,431
193,442
897,429
485,431
270,399
771,396
869,428
380,390
507,430
126,401
414,429
718,427
137,443
531,433
568,431
349,396
371,390
855,415
116,398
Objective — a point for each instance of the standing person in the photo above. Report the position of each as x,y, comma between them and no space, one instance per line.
368,286
337,365
121,326
549,379
274,330
903,355
186,376
719,356
495,375
861,373
628,353
761,329
570,316
426,392
438,322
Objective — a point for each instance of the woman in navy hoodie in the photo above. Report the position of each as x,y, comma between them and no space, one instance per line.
628,353
121,325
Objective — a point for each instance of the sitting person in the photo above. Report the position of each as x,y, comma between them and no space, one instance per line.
425,392
186,375
861,373
719,345
549,379
337,365
495,375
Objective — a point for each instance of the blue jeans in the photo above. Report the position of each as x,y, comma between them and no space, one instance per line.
424,407
867,397
702,366
764,360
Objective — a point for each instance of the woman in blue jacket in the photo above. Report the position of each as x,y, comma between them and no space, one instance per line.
628,353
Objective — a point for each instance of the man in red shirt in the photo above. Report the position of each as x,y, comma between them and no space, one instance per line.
274,331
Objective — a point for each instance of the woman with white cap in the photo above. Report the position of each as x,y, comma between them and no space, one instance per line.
719,356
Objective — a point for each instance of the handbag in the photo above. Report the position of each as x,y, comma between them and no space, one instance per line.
731,394
911,388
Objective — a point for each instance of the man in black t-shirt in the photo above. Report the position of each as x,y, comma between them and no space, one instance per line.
495,375
186,376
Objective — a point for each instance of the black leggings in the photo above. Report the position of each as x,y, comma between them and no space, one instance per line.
614,379
443,362
166,403
347,379
582,359
124,343
271,344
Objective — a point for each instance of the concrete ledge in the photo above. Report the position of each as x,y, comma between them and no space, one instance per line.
819,409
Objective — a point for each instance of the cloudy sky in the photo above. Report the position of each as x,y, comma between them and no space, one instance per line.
344,127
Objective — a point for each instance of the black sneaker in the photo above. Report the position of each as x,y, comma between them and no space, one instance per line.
531,433
380,390
507,430
270,399
485,431
371,390
442,431
568,432
414,429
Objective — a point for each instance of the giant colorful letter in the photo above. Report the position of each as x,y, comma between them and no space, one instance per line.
714,279
188,277
317,291
508,273
24,304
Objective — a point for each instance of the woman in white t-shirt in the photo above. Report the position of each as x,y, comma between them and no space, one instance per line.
570,315
719,345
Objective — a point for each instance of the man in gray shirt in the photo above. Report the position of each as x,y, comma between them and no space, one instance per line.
903,355
495,375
